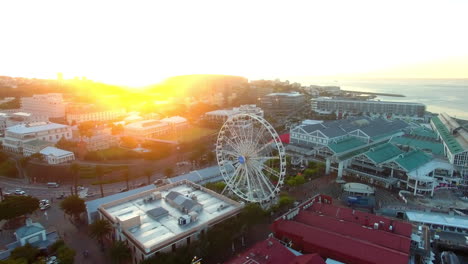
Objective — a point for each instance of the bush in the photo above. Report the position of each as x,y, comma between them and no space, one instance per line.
8,168
295,180
216,186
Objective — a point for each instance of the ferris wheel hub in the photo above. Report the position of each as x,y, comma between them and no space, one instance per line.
241,159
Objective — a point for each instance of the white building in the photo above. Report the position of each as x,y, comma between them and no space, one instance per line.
8,119
176,122
220,116
16,136
146,129
89,114
166,218
99,141
57,156
35,146
454,136
50,105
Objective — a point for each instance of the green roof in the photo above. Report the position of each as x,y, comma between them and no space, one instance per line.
413,160
345,145
358,151
447,137
26,230
424,132
435,147
383,153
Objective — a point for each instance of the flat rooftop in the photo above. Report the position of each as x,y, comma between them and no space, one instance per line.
159,228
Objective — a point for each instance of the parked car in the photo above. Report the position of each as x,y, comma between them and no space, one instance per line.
123,190
20,192
61,196
45,201
141,184
80,188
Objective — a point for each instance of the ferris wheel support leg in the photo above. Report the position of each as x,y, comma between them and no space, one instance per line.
225,187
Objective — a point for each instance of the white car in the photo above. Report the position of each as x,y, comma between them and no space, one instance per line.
45,201
44,207
20,192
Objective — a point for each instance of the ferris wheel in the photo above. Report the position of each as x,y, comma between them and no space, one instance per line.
251,158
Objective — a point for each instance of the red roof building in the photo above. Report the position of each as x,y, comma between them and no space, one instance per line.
271,251
344,234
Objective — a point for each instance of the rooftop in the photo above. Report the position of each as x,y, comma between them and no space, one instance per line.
413,160
146,123
285,94
367,101
434,147
34,127
383,153
30,229
55,152
271,251
202,176
345,145
347,235
454,136
136,213
37,143
438,219
174,119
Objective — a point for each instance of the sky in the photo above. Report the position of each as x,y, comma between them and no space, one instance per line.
142,42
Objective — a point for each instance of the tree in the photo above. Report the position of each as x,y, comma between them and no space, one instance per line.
99,171
148,174
120,252
168,172
73,206
117,129
126,175
63,143
75,169
129,142
64,254
99,229
14,261
23,163
26,252
14,206
85,129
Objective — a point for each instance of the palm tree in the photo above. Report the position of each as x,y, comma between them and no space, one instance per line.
23,163
120,253
148,174
99,173
127,176
100,229
75,168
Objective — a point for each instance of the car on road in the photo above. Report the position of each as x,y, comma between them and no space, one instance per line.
20,192
52,260
45,201
141,184
80,188
123,190
44,207
61,196
90,194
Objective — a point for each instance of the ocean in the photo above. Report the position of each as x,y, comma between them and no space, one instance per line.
439,95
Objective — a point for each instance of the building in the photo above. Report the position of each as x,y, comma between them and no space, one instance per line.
32,233
218,117
50,105
282,103
176,123
203,176
35,146
80,113
348,235
17,136
146,128
454,135
391,154
439,221
8,119
100,139
272,251
151,222
56,156
385,109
